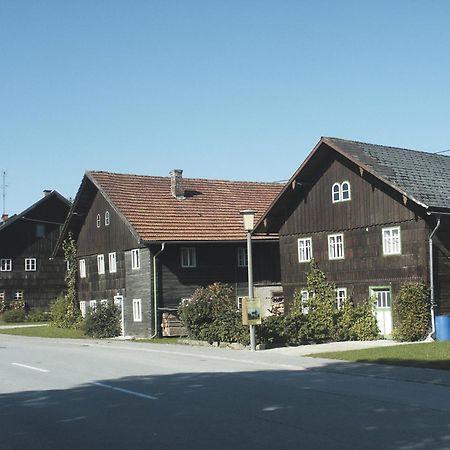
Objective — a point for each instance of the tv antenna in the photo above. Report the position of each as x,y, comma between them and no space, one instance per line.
4,186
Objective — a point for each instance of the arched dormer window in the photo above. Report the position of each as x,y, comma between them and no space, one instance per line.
345,191
336,192
99,221
341,192
106,218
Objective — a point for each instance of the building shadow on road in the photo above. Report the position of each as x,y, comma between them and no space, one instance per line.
337,406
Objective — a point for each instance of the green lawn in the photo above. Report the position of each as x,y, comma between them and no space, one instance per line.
48,332
433,355
53,332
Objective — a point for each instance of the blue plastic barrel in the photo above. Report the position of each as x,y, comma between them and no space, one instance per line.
442,328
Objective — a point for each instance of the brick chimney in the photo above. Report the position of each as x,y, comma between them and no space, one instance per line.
47,192
176,184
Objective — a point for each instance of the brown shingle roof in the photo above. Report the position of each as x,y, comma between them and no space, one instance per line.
209,211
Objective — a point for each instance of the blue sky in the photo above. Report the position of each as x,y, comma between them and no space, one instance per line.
232,89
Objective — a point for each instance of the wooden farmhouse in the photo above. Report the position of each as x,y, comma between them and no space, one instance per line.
367,214
26,243
148,242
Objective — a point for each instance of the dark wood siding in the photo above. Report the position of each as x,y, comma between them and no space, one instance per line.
441,262
19,241
372,207
215,263
115,237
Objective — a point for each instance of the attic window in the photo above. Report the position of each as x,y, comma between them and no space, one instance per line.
106,218
40,230
99,221
340,192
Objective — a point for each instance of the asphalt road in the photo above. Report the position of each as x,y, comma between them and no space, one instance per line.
67,394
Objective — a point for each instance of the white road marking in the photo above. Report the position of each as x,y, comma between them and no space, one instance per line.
125,391
30,367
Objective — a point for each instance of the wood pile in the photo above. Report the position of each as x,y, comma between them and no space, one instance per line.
172,326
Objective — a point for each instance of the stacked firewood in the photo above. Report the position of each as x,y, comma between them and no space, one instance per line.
172,326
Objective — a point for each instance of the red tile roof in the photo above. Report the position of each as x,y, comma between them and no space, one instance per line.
209,211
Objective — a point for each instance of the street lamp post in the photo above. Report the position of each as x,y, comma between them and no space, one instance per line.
249,219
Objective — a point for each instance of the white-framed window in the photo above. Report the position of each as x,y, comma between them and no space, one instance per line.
341,192
239,301
242,257
112,260
101,264
40,230
2,295
135,259
18,295
188,257
30,264
304,299
83,308
99,220
5,265
92,304
304,249
137,310
104,302
336,192
341,295
107,218
391,241
336,246
382,297
82,268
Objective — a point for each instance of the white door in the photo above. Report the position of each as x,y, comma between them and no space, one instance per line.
118,301
383,310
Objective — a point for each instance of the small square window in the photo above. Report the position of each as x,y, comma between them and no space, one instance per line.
305,301
135,259
83,308
137,310
304,249
341,295
5,265
391,241
2,296
82,268
101,264
242,257
336,246
188,257
30,264
112,262
40,230
18,295
92,304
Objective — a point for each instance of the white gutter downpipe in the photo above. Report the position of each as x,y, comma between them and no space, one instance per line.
430,244
155,292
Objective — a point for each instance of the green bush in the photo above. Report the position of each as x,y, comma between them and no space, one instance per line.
272,330
364,322
317,319
103,321
212,315
14,315
64,314
411,312
39,316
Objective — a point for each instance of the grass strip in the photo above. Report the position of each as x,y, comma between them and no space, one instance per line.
47,332
431,355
